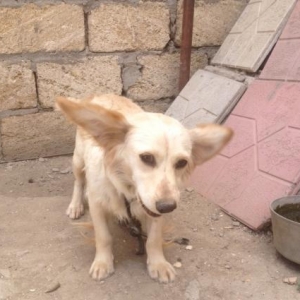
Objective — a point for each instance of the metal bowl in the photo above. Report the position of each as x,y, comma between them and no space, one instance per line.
286,233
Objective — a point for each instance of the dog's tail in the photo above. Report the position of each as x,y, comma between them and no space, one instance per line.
86,229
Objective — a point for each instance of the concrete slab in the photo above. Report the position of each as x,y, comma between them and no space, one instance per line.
207,97
292,28
262,162
254,34
284,63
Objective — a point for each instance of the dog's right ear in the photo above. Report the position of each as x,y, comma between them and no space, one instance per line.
107,127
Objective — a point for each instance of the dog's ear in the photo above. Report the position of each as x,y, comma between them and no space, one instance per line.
107,127
208,140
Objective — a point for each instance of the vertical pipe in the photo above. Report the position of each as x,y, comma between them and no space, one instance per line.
186,42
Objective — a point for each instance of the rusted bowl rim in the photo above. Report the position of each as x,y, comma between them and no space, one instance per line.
280,216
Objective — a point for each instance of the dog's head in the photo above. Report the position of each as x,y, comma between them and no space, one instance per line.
147,155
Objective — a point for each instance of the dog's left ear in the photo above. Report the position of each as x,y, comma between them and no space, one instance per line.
107,127
208,140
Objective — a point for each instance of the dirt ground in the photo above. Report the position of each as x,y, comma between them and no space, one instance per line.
39,247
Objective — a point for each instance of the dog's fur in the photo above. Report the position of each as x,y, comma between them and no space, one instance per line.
122,151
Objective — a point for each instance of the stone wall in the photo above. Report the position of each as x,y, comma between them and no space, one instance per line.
82,47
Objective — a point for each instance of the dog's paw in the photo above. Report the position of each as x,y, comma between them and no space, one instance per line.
75,211
101,269
162,271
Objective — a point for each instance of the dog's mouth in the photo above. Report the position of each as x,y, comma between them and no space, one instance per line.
147,210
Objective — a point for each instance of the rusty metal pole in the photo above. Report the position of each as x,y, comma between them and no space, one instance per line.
186,42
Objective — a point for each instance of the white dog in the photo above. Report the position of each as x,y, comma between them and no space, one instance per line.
123,152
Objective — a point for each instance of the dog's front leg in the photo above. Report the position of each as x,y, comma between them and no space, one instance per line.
102,266
158,267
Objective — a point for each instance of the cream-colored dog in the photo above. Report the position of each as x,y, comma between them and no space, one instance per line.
123,152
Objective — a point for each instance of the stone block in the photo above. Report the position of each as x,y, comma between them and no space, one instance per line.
95,75
32,28
254,34
261,163
17,86
159,76
36,135
123,27
212,21
292,28
206,98
284,63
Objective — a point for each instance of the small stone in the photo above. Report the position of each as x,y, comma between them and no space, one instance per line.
290,280
227,267
55,170
32,290
189,189
65,171
41,159
189,247
30,180
21,183
22,253
215,217
178,264
228,227
221,234
293,280
236,223
53,286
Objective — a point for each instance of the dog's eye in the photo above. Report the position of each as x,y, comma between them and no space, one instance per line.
148,159
181,164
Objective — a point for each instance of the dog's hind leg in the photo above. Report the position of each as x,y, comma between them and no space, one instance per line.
158,267
76,207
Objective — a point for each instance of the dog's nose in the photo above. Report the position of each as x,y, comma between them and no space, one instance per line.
165,206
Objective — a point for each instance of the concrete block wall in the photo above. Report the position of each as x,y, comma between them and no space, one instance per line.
81,47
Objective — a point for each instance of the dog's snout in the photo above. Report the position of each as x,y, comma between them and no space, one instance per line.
165,206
